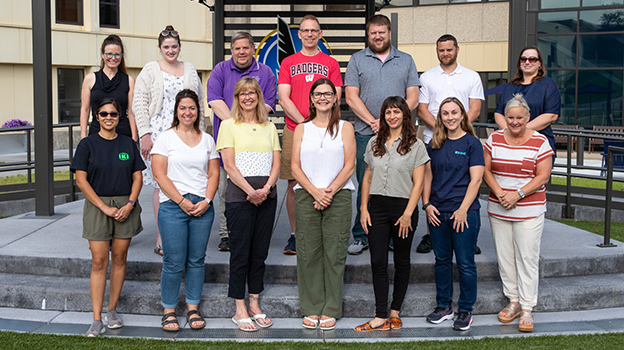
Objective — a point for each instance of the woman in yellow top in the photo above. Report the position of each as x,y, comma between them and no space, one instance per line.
250,151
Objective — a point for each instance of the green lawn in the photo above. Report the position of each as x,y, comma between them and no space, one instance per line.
22,179
591,183
597,227
30,341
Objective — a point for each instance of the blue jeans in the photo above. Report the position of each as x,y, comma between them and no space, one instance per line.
361,141
184,240
445,240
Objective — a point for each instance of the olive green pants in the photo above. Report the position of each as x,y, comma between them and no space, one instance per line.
322,240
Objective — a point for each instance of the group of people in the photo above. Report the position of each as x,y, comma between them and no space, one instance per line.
318,155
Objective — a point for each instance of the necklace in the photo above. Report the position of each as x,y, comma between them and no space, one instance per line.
322,137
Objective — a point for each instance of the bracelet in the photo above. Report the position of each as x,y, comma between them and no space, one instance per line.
131,202
425,206
181,200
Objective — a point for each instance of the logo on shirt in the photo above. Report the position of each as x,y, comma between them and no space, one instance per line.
309,78
124,156
460,153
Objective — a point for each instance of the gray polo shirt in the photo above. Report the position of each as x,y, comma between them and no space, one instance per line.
392,173
378,80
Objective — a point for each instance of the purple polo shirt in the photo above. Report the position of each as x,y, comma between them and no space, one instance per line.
225,75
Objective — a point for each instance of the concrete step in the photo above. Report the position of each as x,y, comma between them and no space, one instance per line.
284,270
281,300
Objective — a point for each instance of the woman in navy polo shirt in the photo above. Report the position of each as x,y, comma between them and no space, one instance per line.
452,181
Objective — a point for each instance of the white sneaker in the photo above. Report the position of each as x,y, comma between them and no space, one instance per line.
357,247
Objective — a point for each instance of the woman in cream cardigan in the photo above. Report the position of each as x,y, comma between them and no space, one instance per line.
154,99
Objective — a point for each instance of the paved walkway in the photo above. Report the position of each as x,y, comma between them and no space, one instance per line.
285,329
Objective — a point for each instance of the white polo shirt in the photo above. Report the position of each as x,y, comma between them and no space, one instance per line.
463,83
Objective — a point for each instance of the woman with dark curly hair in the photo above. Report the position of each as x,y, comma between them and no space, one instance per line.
395,167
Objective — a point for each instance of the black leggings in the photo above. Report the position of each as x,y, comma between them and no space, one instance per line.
384,212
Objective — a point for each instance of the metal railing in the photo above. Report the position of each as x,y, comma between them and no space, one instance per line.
568,194
27,190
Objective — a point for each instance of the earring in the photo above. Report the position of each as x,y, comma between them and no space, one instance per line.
334,104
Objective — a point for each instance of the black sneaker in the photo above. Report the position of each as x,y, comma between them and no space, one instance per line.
290,248
440,314
478,250
224,245
424,246
463,321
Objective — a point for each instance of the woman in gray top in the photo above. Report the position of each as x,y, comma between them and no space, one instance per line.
395,167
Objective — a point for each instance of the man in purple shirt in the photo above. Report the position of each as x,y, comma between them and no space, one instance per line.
220,95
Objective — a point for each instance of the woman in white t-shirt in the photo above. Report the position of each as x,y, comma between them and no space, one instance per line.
517,166
323,160
186,166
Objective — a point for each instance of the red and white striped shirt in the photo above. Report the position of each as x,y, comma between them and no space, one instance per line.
513,167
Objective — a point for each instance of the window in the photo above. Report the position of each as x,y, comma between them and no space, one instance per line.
109,13
69,86
69,11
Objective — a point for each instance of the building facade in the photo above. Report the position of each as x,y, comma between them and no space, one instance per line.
582,42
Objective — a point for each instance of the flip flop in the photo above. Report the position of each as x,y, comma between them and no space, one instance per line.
327,320
244,321
306,318
263,317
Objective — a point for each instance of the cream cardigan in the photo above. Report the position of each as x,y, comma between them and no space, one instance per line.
148,94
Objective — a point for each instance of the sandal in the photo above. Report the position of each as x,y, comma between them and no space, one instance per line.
395,322
327,320
512,309
368,327
263,317
164,322
158,250
242,321
315,322
190,320
526,316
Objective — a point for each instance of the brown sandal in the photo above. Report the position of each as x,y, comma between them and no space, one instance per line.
368,327
526,316
395,322
511,309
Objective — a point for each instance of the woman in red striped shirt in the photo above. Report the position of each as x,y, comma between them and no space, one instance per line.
518,162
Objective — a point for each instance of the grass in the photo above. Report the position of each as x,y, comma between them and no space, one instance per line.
590,183
29,341
22,178
597,227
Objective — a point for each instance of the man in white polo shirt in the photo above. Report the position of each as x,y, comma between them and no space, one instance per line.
447,79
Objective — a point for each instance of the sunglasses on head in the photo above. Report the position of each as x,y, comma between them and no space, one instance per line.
168,33
106,114
531,59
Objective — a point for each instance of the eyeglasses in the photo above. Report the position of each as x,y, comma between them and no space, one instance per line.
106,114
309,31
110,55
247,94
168,33
531,59
328,94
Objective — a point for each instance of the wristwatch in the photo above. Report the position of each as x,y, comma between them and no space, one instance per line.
209,201
425,206
521,194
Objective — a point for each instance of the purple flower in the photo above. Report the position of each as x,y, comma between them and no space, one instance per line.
16,123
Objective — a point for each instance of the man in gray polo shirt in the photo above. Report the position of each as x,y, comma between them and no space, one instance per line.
373,74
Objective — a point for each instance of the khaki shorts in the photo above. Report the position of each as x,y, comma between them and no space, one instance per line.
287,142
97,226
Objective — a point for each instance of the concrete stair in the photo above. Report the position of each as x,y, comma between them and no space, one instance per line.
44,263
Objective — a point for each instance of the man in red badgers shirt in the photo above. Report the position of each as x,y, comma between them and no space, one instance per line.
297,74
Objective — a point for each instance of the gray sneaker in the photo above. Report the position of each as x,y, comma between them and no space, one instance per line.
357,247
97,328
113,319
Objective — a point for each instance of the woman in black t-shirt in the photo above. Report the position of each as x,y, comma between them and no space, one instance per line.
110,82
108,172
